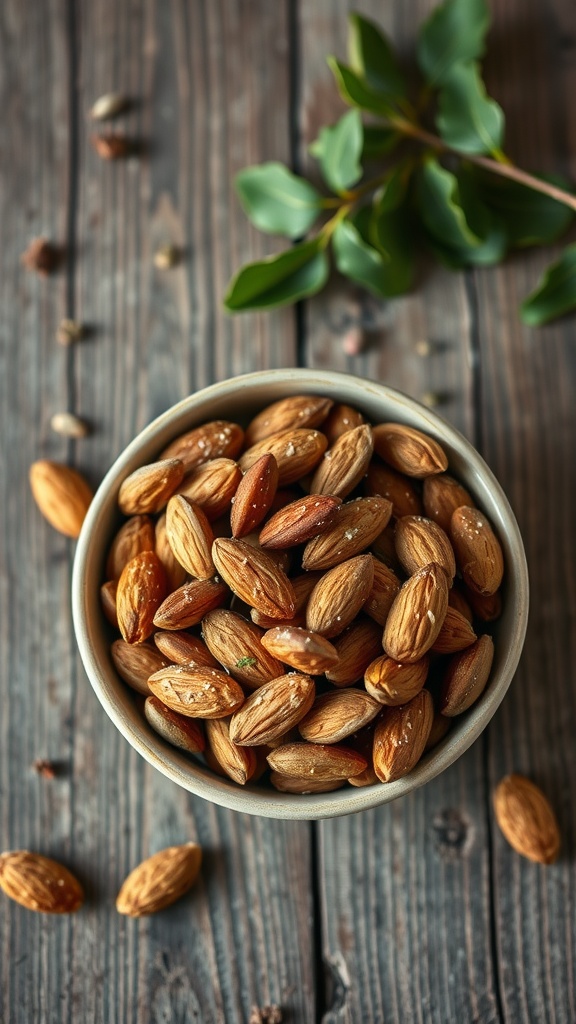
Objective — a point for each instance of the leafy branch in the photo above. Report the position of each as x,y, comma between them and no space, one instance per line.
454,188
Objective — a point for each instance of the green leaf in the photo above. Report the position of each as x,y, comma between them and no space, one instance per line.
530,217
378,141
356,92
339,149
438,196
468,120
454,32
279,280
373,59
393,192
555,294
361,262
392,233
485,223
278,201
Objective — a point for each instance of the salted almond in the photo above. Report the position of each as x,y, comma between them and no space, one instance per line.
301,649
61,494
456,633
190,537
356,647
39,883
238,763
319,762
339,595
300,521
297,452
175,573
149,487
181,732
159,880
392,682
184,649
290,736
487,607
396,487
457,600
356,525
344,464
135,663
196,691
478,551
384,548
189,604
295,411
526,819
286,784
408,450
383,593
400,737
440,726
212,486
420,541
141,590
273,709
416,617
108,593
442,495
466,676
254,577
335,716
363,742
340,420
218,439
280,558
134,536
303,586
254,496
237,644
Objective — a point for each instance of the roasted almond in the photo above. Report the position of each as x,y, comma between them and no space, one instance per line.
184,649
420,541
254,496
236,643
298,522
384,549
303,586
457,600
356,525
212,486
61,494
440,726
466,676
395,487
400,737
159,880
141,590
175,573
181,732
442,495
478,550
273,709
286,784
148,488
190,603
215,440
340,420
295,411
392,683
385,587
339,595
526,819
416,617
280,558
319,762
39,883
335,716
190,537
197,692
487,607
408,450
108,593
456,633
254,577
301,649
239,763
356,647
297,452
344,464
135,663
134,536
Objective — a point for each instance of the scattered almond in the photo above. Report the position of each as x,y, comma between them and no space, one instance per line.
68,425
61,494
159,880
39,883
526,819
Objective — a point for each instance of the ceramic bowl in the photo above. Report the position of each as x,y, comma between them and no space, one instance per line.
238,399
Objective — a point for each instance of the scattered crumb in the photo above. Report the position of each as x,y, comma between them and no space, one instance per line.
44,768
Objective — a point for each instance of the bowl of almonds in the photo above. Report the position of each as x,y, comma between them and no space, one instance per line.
300,594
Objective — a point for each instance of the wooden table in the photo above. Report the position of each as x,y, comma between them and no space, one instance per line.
418,911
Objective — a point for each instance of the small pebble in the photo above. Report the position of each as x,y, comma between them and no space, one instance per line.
423,349
166,256
111,146
68,425
69,331
41,256
108,106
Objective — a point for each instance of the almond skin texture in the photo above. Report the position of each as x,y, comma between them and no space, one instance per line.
457,600
286,784
394,486
272,710
392,683
108,593
420,541
189,604
197,692
440,726
384,549
466,677
238,763
385,587
160,880
181,732
39,883
254,496
526,819
356,647
335,716
218,439
416,617
141,590
456,633
487,607
400,737
356,525
134,663
254,577
237,644
300,521
149,487
478,550
344,465
190,537
339,595
136,535
296,451
303,586
296,411
212,486
320,763
301,649
175,573
408,450
442,495
340,420
183,649
61,494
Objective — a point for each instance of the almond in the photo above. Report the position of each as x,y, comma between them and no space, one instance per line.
190,603
526,819
301,649
383,593
440,726
457,600
295,411
61,494
300,521
184,649
392,683
420,541
456,633
394,486
215,440
466,677
254,577
400,737
408,450
339,595
284,496
335,716
212,486
303,586
197,692
317,762
416,617
236,643
356,647
39,883
297,452
384,548
487,607
149,487
141,590
160,880
239,763
272,710
134,663
108,593
442,495
136,535
286,784
280,558
181,732
190,537
344,465
363,743
175,573
340,420
356,525
478,550
254,496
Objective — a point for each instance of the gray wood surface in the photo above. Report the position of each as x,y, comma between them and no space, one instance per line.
417,912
